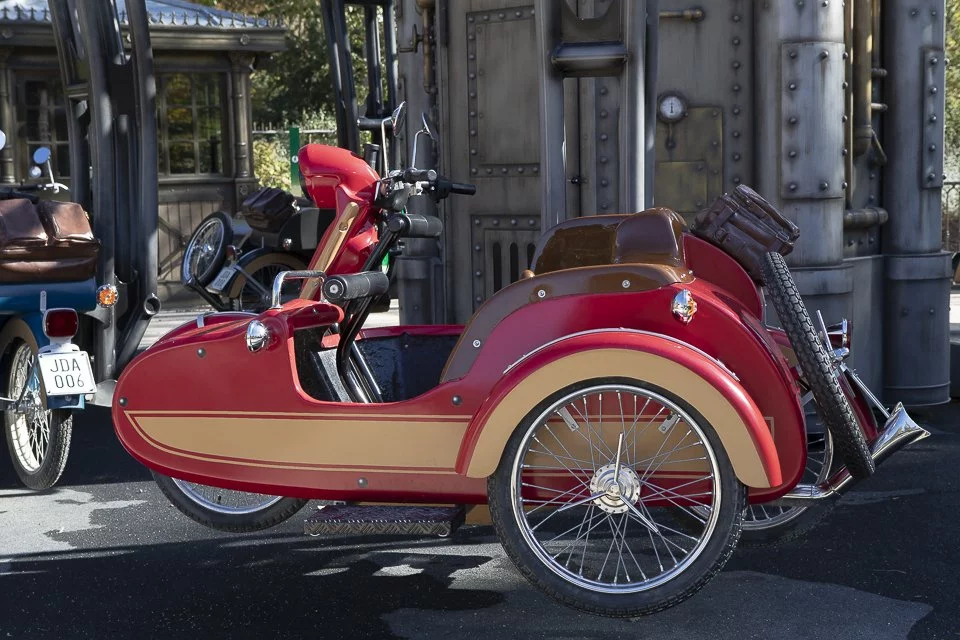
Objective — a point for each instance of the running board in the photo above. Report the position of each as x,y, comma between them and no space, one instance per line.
899,431
399,520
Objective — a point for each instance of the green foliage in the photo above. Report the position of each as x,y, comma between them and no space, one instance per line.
271,162
952,93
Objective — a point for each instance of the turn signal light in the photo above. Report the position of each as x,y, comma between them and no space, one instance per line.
60,323
107,296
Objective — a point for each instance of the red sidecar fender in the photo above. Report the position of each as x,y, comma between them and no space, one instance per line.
678,368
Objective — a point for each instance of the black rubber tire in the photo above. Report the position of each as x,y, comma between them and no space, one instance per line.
58,448
220,251
710,561
831,404
233,523
251,300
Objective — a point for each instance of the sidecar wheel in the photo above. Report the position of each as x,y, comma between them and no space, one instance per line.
818,371
206,251
616,533
38,438
227,510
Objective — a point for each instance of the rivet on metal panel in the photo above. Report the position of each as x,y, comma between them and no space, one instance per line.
603,137
735,17
504,170
824,186
625,284
361,482
872,198
800,4
931,177
914,13
736,88
873,176
824,55
793,53
736,111
604,182
478,299
479,274
519,14
844,186
699,204
792,86
457,400
736,180
603,113
473,152
536,169
715,113
476,344
473,76
603,91
541,294
603,160
489,171
519,169
933,148
844,151
470,18
793,120
933,12
201,353
604,205
933,61
496,223
473,172
933,91
844,85
846,55
501,15
531,222
486,18
793,186
825,3
844,118
736,42
792,153
476,222
477,247
736,157
513,221
735,134
933,118
715,144
473,114
473,132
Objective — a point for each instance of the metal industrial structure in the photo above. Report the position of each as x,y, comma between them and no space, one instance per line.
833,110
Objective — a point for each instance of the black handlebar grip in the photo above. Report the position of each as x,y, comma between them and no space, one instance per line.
366,284
463,189
412,225
419,175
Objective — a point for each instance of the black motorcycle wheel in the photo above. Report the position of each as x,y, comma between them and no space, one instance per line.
38,438
206,251
225,509
817,368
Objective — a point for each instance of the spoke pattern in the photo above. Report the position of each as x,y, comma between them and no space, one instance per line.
28,420
225,501
616,489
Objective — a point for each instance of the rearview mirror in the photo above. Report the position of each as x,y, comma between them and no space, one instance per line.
397,118
426,126
41,156
3,139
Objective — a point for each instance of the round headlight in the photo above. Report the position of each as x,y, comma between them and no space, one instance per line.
258,336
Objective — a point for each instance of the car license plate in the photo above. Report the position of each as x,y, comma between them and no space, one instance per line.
222,280
66,374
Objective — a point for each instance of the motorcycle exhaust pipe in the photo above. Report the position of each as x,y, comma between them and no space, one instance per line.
899,431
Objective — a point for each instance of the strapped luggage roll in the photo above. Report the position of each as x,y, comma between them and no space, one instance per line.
747,227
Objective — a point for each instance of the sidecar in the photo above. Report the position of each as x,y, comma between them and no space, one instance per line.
618,408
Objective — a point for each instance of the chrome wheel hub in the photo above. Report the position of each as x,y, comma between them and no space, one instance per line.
617,489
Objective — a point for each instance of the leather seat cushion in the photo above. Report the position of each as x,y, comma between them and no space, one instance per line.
49,241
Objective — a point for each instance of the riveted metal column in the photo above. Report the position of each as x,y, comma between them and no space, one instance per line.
916,359
553,205
7,122
241,66
801,84
419,268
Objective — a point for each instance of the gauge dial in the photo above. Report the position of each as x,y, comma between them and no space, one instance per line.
673,107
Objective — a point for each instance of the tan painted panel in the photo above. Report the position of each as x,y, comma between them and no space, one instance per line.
308,441
600,363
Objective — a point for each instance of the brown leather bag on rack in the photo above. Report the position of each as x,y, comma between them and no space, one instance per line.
45,242
746,227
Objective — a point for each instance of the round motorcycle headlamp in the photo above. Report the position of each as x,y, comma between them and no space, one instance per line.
107,296
684,307
258,336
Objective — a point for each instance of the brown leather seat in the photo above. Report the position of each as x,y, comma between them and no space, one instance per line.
49,241
652,236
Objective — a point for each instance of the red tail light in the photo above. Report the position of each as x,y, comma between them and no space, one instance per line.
60,323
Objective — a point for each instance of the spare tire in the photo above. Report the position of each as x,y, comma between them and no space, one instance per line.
817,369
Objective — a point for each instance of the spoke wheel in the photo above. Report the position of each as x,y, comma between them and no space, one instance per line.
256,294
226,509
206,251
616,498
38,438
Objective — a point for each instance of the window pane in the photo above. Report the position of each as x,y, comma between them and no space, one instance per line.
60,124
177,89
181,158
210,123
62,161
208,89
180,123
210,154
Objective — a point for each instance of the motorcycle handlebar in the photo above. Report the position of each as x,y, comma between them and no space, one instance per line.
419,175
463,189
366,284
413,225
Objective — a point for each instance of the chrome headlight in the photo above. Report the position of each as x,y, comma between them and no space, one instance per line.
258,336
684,307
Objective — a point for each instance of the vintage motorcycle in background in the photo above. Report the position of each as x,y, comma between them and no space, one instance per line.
48,260
623,408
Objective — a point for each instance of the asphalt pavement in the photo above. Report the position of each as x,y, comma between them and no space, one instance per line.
104,556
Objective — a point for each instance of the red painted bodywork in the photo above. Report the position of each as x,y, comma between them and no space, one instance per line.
208,371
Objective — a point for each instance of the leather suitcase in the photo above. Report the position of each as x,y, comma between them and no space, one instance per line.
268,209
746,226
45,242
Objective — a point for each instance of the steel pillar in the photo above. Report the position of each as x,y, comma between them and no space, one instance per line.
801,153
917,272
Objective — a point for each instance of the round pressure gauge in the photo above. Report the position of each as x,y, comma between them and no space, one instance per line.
673,107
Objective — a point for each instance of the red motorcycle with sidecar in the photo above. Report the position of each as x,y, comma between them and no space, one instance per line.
623,408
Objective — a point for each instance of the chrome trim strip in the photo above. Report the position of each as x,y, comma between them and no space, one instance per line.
622,330
899,431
